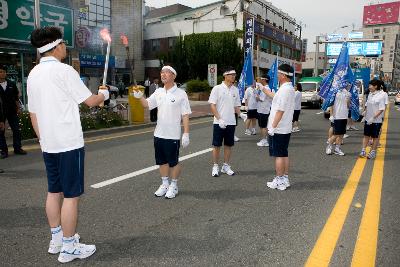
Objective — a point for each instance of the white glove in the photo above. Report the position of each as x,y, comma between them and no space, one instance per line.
243,116
332,119
369,121
105,93
185,140
222,124
271,132
137,94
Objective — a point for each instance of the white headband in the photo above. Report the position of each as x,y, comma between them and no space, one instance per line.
229,72
49,46
169,68
286,73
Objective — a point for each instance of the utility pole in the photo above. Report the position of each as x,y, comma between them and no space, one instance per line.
316,56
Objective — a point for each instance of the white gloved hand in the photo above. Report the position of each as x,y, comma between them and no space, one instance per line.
221,124
332,119
137,94
271,131
185,140
105,93
243,116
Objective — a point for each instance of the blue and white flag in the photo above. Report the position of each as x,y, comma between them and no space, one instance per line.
340,77
246,77
273,75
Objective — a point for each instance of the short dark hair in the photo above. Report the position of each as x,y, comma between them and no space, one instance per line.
299,87
3,67
286,68
44,36
376,83
227,68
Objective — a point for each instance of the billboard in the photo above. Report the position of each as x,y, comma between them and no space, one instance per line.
381,13
356,49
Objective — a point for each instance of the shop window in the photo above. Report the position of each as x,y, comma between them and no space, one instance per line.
155,45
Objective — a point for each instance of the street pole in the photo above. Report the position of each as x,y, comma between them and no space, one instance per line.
37,24
316,56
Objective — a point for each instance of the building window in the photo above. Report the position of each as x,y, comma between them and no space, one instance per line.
265,45
384,30
155,45
171,42
276,49
376,37
377,30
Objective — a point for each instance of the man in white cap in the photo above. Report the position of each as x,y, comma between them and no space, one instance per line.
280,127
173,107
225,102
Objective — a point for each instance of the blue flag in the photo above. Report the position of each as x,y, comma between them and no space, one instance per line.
273,75
340,77
246,77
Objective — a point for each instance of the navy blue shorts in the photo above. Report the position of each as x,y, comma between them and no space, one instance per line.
226,135
263,120
166,151
339,127
372,130
278,145
65,172
296,115
252,114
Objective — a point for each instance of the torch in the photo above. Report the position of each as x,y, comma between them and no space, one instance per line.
124,40
105,35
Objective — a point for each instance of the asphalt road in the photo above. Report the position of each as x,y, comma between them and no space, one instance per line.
224,221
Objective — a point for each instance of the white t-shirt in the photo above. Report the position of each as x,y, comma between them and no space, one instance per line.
4,85
172,104
297,100
375,103
283,101
250,96
340,106
385,96
55,91
264,105
225,99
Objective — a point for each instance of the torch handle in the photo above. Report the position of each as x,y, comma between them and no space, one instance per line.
106,68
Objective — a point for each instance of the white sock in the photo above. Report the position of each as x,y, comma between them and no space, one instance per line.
216,164
68,243
56,234
337,147
165,180
174,182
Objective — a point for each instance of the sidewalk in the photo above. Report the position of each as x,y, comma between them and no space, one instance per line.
199,109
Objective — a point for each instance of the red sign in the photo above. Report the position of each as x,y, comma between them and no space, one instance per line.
381,13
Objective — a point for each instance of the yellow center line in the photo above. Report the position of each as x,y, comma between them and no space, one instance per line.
367,240
110,137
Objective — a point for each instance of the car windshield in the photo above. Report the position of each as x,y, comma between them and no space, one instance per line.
308,87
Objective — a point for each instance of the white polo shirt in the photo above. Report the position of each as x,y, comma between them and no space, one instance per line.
250,96
55,91
264,105
385,96
283,101
225,99
340,106
375,103
297,100
172,104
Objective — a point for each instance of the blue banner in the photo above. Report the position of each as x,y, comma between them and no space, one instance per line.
246,77
273,75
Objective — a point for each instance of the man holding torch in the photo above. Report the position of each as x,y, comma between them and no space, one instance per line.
173,107
55,91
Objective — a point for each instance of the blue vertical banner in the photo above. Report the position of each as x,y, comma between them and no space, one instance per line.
249,36
246,77
273,75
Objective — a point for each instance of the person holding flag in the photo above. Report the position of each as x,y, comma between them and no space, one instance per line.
280,127
225,102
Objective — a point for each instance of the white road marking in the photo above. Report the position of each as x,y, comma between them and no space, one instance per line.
145,170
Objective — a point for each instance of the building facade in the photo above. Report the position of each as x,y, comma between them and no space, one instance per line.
275,32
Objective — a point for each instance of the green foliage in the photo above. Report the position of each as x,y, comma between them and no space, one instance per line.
193,53
26,127
194,86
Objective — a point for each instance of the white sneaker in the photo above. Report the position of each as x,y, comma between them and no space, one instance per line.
328,149
253,131
263,142
354,128
286,181
55,247
338,151
345,135
215,171
161,190
80,251
227,169
277,183
247,132
172,191
236,139
295,129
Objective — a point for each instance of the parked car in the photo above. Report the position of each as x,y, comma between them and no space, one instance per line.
309,95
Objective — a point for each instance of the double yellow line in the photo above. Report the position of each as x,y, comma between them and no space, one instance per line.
366,244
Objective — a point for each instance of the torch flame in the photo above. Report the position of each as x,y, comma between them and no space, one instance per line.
105,35
124,40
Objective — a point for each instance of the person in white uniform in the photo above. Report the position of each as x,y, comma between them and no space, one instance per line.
55,91
250,99
297,108
263,109
225,102
173,108
280,127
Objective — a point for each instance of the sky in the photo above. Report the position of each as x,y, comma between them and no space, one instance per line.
316,16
